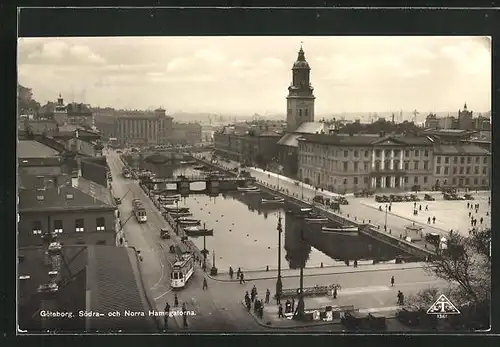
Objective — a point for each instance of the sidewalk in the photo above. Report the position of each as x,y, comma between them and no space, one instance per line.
308,272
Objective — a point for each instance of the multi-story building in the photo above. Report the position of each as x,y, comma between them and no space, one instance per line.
462,165
38,160
185,134
79,114
79,213
144,129
346,163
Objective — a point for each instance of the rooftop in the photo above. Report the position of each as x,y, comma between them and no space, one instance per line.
366,140
34,149
291,139
460,149
448,132
87,195
112,278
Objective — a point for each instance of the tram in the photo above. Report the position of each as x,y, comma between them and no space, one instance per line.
139,211
182,271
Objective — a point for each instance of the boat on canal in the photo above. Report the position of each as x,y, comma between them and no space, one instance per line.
196,231
175,209
188,162
188,221
180,214
316,219
275,200
350,230
251,189
201,168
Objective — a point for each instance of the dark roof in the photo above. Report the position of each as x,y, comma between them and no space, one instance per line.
34,149
460,149
448,132
113,282
66,198
366,140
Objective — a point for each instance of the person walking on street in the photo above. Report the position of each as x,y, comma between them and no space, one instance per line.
184,315
280,311
293,305
176,300
231,272
392,281
165,318
268,294
238,273
242,278
205,284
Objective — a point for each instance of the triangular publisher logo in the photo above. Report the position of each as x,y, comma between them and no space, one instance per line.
443,306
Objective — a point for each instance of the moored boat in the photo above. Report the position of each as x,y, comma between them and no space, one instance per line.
187,221
350,230
180,214
175,209
316,219
195,231
275,200
249,189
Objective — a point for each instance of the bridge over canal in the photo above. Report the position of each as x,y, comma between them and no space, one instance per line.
182,184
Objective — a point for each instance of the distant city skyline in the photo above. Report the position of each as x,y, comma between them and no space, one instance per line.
247,75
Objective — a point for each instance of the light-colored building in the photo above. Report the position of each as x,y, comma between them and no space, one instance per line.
462,166
144,129
345,163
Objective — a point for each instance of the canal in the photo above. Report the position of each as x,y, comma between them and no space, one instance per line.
246,236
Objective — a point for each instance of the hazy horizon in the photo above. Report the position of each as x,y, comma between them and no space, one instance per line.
247,75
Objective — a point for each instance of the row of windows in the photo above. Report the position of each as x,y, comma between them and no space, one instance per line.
333,164
59,227
460,170
462,160
365,153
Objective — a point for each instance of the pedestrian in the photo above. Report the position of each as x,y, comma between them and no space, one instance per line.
429,220
399,297
268,294
292,305
481,220
184,315
176,300
238,273
335,292
392,281
242,278
231,272
434,220
121,241
287,306
470,213
468,204
247,297
165,317
280,311
427,207
420,207
205,284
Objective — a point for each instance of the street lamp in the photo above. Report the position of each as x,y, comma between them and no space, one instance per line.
279,283
385,223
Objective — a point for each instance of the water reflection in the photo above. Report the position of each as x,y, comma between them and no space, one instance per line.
297,248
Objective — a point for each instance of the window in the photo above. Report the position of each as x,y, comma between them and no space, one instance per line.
417,153
58,226
397,153
461,170
467,170
37,227
355,180
345,166
407,153
366,180
356,154
345,180
484,171
426,165
483,181
455,160
467,181
367,154
454,180
438,170
79,225
469,160
366,166
346,154
426,153
415,180
454,170
406,179
387,164
446,160
407,165
415,164
485,160
425,179
377,153
387,152
100,223
446,170
476,170
476,181
462,160
477,160
438,160
355,166
377,165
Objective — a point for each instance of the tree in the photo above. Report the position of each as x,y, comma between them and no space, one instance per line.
466,264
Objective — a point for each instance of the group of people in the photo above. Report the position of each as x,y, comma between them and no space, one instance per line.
239,275
252,299
475,207
167,313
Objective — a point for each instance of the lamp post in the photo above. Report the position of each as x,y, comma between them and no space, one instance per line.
279,283
385,222
300,304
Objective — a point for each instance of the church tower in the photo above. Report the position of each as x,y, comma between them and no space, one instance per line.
300,99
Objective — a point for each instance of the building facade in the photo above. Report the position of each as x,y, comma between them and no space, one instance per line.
350,163
300,99
186,134
144,129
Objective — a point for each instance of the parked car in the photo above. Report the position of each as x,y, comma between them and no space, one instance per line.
319,199
414,197
432,238
428,197
342,200
164,234
468,197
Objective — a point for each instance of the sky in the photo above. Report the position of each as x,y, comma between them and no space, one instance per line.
247,75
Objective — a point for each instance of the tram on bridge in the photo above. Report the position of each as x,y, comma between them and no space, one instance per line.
139,211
